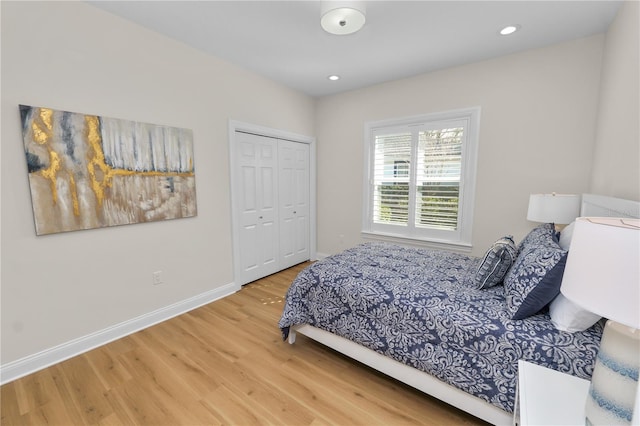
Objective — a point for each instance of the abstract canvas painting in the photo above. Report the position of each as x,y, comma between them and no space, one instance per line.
88,171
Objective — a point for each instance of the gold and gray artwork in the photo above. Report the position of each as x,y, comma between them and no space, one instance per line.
88,171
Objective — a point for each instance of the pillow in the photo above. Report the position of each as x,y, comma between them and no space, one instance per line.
496,263
566,235
535,277
567,316
539,233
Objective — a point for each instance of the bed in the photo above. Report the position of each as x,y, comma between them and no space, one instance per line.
432,320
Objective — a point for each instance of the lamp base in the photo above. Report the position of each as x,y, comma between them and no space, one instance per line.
614,384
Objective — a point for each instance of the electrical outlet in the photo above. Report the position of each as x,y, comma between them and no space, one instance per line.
157,277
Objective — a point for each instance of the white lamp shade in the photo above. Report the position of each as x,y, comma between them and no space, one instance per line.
553,208
342,17
602,273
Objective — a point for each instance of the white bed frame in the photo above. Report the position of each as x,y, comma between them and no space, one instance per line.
592,205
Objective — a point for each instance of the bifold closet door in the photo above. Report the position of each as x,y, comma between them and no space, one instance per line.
293,195
256,167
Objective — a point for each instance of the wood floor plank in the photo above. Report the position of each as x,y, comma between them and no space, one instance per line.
107,367
120,346
230,409
86,389
304,387
121,412
112,420
141,404
65,390
149,368
252,388
49,413
222,364
9,406
355,398
176,359
36,390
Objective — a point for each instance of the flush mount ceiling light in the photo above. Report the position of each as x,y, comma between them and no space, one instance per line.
509,29
342,17
334,77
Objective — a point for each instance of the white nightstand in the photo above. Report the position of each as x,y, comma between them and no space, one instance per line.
548,397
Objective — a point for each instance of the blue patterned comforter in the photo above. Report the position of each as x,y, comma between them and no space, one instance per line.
420,307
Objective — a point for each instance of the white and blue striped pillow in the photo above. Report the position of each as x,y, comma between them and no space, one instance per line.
496,263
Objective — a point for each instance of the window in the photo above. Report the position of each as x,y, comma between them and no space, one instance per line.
420,177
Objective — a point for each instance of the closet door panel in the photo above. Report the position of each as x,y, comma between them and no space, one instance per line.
256,165
249,206
250,251
287,226
294,202
268,206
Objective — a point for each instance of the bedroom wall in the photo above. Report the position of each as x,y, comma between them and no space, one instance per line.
75,57
616,166
539,110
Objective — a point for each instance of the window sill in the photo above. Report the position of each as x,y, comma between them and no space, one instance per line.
458,247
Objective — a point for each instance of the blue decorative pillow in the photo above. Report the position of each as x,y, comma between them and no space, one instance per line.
496,263
540,234
535,277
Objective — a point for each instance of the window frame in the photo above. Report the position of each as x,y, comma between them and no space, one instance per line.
459,239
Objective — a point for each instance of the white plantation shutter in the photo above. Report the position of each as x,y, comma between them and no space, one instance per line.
438,178
419,179
391,178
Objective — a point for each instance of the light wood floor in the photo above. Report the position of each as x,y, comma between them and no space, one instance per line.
224,363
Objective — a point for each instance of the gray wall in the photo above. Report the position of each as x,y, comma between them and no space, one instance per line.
75,57
616,167
537,133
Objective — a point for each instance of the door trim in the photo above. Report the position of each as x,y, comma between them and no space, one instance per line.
239,126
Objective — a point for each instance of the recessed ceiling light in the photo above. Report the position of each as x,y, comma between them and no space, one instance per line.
509,29
334,77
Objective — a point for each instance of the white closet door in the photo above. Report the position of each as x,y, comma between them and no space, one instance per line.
257,205
293,194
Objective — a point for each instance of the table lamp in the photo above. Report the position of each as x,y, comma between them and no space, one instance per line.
602,275
553,208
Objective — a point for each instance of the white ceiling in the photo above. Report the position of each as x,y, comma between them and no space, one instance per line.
283,40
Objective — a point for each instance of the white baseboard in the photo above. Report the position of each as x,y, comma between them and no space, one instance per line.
32,363
320,256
